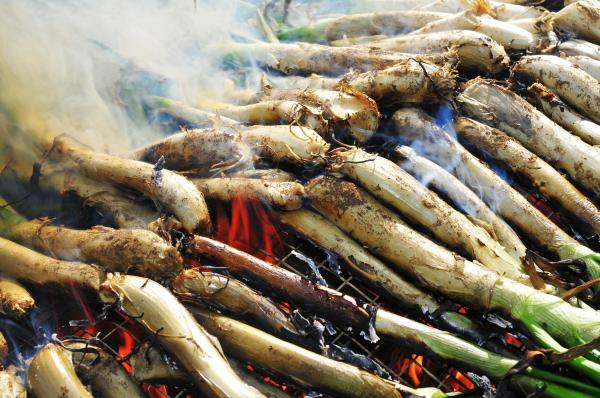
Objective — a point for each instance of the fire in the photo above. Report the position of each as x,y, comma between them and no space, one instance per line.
462,382
127,344
250,229
90,330
411,366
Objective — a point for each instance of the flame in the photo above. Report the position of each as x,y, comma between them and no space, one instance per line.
250,229
156,390
90,330
413,366
127,344
462,382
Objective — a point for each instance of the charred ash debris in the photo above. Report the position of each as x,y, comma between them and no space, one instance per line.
405,205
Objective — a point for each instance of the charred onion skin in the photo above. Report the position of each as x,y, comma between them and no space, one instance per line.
173,191
282,283
161,314
10,383
52,374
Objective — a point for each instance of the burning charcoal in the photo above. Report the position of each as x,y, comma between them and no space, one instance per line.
15,300
162,315
176,193
11,383
51,374
102,372
284,195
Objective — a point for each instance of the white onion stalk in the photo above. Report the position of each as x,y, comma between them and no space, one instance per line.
508,35
173,191
547,317
501,10
177,331
15,300
579,47
551,104
572,84
463,198
282,194
589,65
348,112
475,50
437,145
581,18
367,24
271,111
505,110
394,186
52,374
550,182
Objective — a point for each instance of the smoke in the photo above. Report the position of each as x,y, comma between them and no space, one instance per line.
79,66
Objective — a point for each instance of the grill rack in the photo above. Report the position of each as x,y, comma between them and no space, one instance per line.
382,352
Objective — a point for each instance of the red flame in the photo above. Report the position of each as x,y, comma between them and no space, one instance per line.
89,330
250,229
462,382
127,344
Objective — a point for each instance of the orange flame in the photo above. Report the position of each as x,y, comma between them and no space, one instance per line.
462,382
250,229
125,347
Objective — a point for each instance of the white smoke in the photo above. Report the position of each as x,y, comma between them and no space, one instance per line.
63,63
